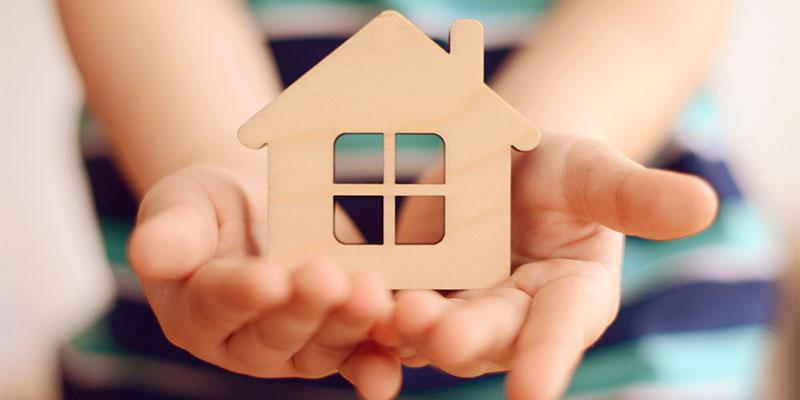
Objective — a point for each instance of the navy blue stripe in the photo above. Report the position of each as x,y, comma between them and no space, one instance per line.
160,380
112,196
715,172
693,307
296,56
702,306
135,329
690,307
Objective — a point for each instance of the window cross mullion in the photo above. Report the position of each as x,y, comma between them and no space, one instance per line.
388,183
358,189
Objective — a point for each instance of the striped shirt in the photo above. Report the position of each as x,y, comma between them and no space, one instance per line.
694,311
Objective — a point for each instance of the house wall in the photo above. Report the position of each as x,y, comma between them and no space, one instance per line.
477,207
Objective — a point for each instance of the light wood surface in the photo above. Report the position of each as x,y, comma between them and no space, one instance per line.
390,78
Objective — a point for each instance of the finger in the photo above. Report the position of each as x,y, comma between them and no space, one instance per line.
484,327
346,230
566,315
275,337
346,326
374,371
176,231
385,332
218,299
405,351
417,317
605,186
416,312
415,361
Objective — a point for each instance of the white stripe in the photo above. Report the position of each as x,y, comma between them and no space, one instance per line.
718,389
711,264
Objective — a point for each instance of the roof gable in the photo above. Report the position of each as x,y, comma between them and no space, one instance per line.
389,73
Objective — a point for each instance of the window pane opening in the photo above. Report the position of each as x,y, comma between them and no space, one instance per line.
419,219
358,158
419,158
358,219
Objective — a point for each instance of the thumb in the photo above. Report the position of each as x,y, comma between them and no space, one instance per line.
605,186
176,230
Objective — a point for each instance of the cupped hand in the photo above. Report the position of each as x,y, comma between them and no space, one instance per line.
197,249
571,198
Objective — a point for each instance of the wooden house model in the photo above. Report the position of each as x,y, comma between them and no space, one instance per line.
391,79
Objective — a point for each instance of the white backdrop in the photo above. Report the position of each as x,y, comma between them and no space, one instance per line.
53,275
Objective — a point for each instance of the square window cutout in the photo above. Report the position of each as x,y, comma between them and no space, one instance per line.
358,158
358,219
419,158
419,219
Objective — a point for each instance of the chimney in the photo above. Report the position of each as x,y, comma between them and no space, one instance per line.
466,46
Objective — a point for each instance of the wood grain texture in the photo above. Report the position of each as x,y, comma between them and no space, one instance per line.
391,78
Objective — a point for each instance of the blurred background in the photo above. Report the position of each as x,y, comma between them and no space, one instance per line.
54,266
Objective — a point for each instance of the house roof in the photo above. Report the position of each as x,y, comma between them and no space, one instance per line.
389,69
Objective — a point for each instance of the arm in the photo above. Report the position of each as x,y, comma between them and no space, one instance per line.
615,71
171,81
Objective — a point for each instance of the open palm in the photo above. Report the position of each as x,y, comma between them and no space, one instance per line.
571,198
197,249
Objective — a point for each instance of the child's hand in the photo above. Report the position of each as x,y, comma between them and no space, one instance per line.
195,249
570,198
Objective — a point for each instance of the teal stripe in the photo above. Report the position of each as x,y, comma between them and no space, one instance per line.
115,233
489,388
420,142
450,10
453,8
739,229
732,355
97,338
699,120
373,143
359,143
